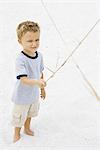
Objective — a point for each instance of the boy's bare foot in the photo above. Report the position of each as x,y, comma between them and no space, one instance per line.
16,138
27,129
29,132
16,134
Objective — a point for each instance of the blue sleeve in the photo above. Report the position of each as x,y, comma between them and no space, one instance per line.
20,68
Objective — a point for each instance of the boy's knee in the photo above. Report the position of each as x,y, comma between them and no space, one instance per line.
18,119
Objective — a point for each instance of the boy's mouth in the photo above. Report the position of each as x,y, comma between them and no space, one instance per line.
33,47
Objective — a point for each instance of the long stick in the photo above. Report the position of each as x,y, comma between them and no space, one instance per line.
84,77
87,81
74,50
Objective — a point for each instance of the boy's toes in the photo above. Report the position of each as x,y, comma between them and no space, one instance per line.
16,138
29,132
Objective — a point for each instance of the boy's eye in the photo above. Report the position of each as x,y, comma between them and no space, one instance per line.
32,41
29,41
37,40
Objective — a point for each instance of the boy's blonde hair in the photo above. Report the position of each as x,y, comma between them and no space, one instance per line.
25,27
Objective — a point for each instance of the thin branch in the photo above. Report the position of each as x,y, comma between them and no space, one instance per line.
48,69
73,51
87,81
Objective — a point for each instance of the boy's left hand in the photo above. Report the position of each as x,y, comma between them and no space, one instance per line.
43,93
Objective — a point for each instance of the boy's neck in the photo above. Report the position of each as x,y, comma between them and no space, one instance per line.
30,56
29,53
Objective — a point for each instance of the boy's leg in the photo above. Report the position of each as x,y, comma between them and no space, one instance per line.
16,134
27,129
18,118
33,111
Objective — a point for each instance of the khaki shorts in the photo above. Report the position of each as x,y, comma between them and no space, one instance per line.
22,112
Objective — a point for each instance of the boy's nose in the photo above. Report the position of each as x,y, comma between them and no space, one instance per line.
33,44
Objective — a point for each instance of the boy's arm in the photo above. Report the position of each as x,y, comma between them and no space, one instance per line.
42,77
43,93
31,82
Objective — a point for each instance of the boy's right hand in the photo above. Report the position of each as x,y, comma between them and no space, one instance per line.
41,83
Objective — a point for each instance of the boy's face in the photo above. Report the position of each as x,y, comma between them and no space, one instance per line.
30,41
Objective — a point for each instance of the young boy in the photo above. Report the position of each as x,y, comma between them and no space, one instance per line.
29,67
